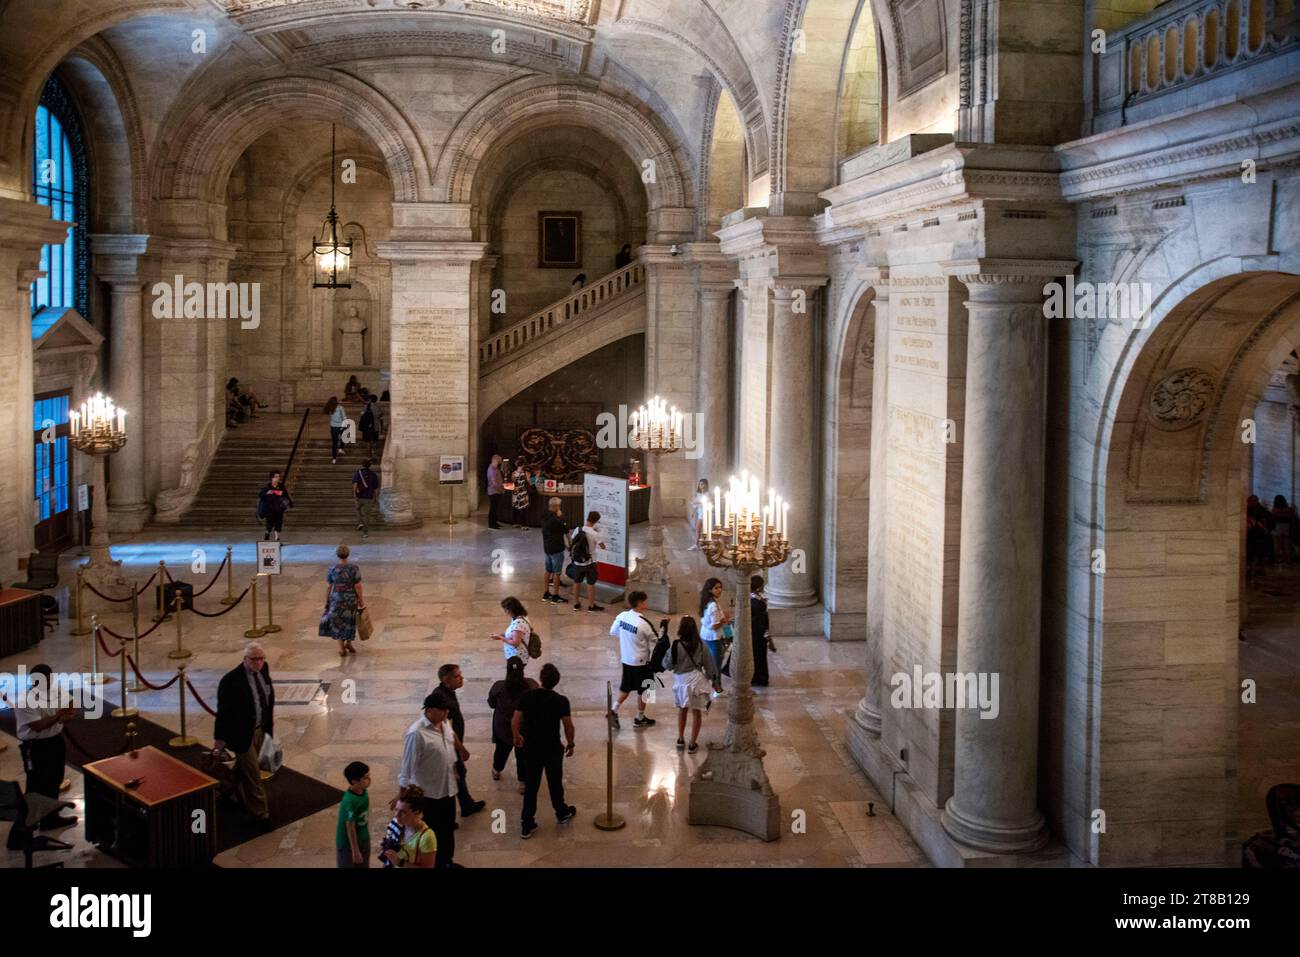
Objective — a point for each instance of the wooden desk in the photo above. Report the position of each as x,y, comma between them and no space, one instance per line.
150,825
20,620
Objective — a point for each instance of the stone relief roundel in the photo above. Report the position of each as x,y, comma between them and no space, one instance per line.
1180,399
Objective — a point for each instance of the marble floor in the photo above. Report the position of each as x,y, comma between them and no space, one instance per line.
434,595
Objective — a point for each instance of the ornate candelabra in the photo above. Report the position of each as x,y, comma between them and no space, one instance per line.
99,430
740,533
656,431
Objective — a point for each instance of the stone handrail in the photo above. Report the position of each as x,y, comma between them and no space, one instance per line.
599,293
1186,41
170,504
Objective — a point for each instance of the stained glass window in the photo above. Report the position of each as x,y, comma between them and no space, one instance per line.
59,180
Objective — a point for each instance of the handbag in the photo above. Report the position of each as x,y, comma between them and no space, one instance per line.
270,757
365,628
728,633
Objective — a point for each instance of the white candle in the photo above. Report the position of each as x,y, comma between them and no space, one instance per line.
121,420
717,500
785,518
708,509
74,420
762,534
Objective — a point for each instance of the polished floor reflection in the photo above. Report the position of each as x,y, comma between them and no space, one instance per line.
434,595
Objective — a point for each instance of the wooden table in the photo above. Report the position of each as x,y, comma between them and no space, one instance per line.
20,620
151,825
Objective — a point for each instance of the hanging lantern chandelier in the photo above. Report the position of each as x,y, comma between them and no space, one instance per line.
333,257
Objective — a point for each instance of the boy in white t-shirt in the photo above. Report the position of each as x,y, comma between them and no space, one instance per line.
582,561
636,641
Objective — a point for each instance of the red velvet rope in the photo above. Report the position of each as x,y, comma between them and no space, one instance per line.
100,639
139,591
143,634
218,614
202,704
214,578
145,681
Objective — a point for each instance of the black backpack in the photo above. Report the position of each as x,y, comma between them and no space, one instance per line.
580,549
660,649
261,507
367,420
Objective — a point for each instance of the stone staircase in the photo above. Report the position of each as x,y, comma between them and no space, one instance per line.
612,307
322,493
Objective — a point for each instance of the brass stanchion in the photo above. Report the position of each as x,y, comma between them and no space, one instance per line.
182,740
270,627
254,632
81,628
609,821
136,686
180,651
99,678
230,598
126,711
163,613
451,503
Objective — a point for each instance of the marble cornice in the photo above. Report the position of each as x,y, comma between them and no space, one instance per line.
446,253
1206,143
25,225
1009,273
948,178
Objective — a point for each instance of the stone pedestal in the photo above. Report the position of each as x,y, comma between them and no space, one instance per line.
102,572
651,574
994,801
731,788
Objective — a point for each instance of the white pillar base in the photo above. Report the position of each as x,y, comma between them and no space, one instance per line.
107,577
993,837
731,790
395,507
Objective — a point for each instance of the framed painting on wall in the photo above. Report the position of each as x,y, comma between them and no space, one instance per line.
559,240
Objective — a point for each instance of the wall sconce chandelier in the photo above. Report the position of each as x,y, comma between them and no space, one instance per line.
333,256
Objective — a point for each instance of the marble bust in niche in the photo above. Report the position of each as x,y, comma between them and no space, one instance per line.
352,337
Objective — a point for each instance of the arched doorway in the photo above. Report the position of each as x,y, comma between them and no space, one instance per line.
1169,767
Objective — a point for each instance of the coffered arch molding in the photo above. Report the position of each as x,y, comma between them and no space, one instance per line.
205,143
519,107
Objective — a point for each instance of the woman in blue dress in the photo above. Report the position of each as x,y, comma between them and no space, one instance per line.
342,603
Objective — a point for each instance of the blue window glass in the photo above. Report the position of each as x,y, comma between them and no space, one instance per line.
60,181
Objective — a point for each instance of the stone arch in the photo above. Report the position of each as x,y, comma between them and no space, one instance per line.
24,70
115,141
522,174
293,196
848,459
531,102
204,142
1169,526
814,46
724,157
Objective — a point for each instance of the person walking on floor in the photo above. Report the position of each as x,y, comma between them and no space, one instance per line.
759,626
365,486
338,420
1284,517
429,761
695,675
352,836
41,745
272,502
582,562
636,641
553,535
536,728
515,640
496,488
245,718
343,602
715,624
450,680
503,698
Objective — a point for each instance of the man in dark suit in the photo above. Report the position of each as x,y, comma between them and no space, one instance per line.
245,717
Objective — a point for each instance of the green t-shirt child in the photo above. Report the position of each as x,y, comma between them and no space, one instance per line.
354,808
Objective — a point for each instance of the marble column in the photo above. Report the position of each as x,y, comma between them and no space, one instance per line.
794,428
712,387
128,507
867,714
994,801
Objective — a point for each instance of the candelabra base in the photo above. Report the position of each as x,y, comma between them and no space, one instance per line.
106,577
731,790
